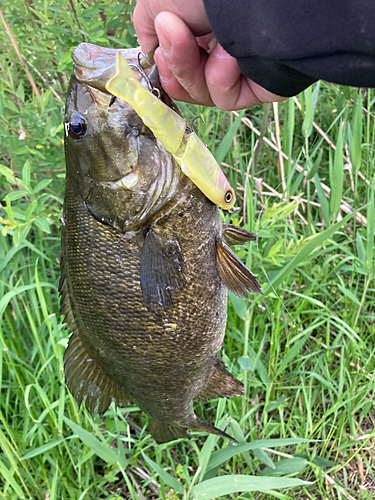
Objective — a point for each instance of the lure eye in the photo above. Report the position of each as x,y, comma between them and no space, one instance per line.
77,127
228,197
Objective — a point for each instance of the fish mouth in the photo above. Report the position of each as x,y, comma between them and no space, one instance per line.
95,65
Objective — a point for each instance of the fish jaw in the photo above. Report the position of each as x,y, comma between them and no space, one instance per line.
94,65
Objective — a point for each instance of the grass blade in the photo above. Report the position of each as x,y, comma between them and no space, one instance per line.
322,200
101,449
288,466
357,134
221,456
309,246
226,485
165,476
337,176
370,225
7,474
225,144
41,449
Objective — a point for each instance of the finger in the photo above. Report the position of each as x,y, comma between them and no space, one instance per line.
145,12
169,82
172,86
143,21
207,42
229,88
184,59
263,94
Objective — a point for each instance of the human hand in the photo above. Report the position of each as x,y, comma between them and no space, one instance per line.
193,67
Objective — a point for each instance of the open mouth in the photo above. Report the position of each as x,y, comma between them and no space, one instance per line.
96,65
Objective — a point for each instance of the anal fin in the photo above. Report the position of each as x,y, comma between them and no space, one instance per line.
235,275
221,384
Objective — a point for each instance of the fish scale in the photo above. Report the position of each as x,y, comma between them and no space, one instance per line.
145,297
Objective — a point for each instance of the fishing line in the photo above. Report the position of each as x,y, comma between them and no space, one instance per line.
298,327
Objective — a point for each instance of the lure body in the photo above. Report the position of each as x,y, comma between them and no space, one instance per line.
195,160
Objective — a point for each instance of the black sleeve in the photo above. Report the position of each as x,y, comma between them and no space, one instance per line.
286,45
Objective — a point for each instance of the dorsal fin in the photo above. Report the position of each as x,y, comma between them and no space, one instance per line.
65,308
221,384
84,377
235,275
87,381
234,235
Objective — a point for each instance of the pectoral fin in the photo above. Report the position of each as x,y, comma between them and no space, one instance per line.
162,272
234,235
221,384
235,275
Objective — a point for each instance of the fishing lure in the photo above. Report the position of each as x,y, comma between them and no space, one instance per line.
195,160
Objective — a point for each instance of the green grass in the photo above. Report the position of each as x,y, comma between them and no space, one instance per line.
305,350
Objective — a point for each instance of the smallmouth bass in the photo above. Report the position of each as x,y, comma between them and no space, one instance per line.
146,263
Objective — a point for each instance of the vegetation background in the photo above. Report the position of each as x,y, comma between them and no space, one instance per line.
304,175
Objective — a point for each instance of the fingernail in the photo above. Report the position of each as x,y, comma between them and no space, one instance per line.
164,40
164,73
220,52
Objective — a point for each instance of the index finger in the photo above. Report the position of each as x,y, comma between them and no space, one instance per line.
143,20
145,12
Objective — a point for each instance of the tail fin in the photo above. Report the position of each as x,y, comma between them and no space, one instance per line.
162,433
205,427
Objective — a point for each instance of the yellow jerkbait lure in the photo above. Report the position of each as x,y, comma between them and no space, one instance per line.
195,160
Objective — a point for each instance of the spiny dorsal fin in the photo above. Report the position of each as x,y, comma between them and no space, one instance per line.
234,235
87,381
84,377
65,308
221,384
235,275
162,272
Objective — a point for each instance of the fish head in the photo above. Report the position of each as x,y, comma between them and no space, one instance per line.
123,173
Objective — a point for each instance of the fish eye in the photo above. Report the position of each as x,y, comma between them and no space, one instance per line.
77,127
228,197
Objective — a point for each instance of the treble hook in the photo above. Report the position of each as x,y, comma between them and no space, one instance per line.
190,127
138,67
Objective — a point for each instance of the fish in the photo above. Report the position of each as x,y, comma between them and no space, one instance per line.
146,262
